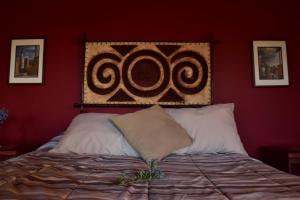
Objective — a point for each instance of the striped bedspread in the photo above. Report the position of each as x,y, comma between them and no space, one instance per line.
42,175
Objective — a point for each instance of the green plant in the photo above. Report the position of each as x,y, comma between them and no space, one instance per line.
3,115
153,172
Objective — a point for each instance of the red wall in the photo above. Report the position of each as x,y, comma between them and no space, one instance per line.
264,115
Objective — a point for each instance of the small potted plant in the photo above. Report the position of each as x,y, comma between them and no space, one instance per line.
3,115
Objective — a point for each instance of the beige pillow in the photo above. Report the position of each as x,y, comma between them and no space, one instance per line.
152,132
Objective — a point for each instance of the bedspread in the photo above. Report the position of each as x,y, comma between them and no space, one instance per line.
42,175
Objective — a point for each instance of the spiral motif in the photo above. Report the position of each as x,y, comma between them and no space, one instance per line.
157,61
103,75
189,77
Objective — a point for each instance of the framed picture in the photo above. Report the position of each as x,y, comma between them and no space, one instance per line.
26,61
270,63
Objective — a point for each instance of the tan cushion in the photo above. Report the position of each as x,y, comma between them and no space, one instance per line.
152,132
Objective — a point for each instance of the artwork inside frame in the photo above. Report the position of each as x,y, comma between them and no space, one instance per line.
270,63
147,73
26,61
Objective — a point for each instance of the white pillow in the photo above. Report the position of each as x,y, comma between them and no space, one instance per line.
93,133
212,128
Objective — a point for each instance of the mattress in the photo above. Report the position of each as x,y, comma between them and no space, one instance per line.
43,175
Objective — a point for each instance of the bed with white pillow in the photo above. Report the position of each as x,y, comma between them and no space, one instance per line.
198,150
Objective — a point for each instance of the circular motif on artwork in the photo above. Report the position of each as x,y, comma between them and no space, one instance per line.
137,69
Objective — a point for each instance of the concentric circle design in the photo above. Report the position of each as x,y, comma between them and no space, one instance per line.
152,60
103,75
190,73
145,73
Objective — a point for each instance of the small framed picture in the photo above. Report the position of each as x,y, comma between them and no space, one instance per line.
270,63
26,61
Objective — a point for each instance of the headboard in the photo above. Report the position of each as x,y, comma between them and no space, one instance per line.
147,73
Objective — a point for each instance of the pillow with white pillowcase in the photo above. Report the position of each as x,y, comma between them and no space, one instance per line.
212,128
93,133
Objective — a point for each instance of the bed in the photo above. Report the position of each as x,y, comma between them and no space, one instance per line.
205,159
41,175
216,174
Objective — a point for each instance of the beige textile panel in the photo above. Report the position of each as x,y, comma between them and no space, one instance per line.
130,73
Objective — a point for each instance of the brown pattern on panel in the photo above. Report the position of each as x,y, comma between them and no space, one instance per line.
147,73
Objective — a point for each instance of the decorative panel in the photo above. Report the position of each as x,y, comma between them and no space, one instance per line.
130,73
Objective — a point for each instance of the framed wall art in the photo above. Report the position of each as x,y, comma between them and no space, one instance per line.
26,61
270,63
147,73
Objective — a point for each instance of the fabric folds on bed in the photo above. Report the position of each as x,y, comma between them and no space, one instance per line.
42,175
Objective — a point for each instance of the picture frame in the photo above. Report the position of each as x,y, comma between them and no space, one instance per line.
270,66
27,61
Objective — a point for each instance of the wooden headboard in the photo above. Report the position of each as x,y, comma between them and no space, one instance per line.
146,73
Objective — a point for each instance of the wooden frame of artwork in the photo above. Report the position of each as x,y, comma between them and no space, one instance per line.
27,61
270,63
